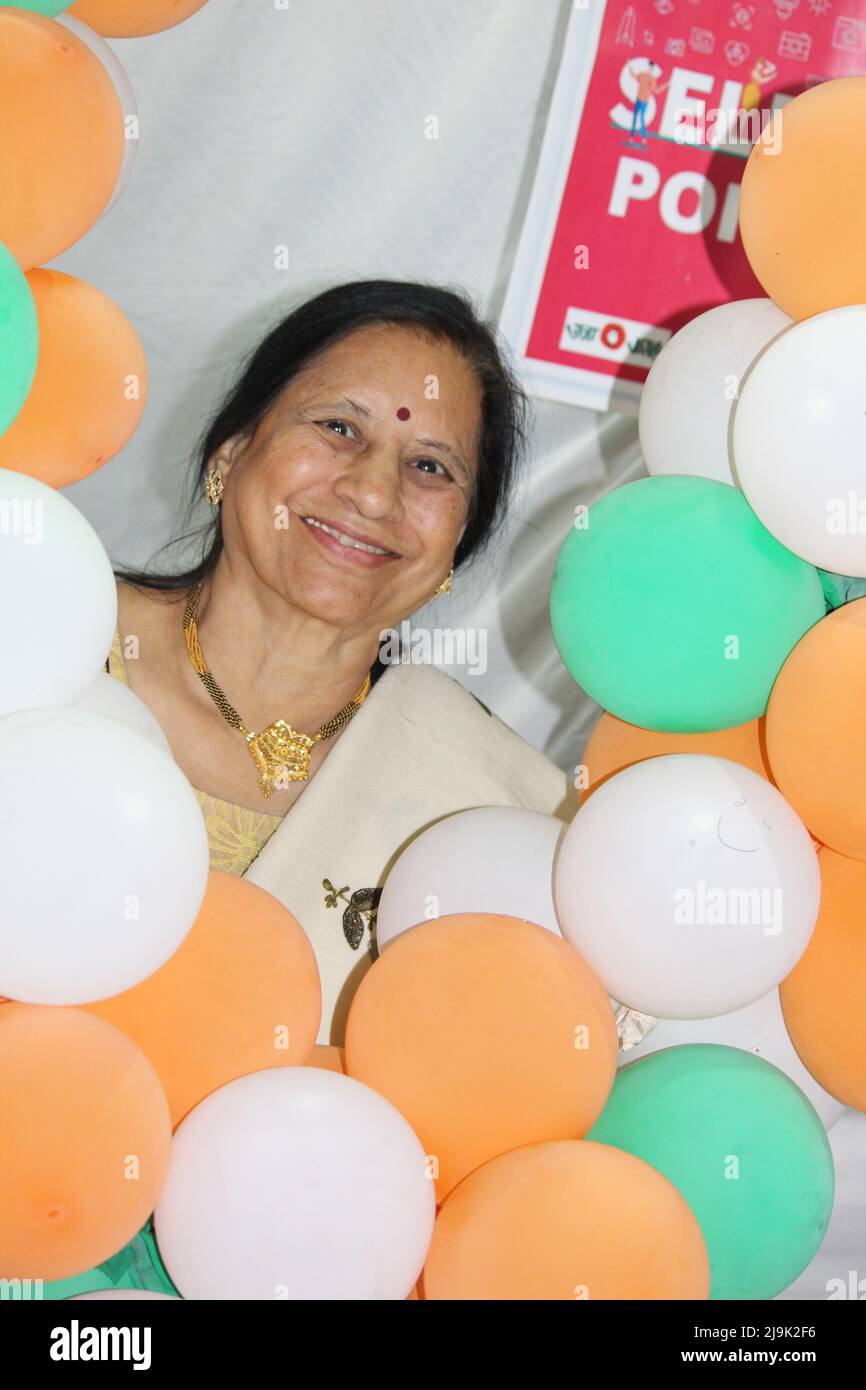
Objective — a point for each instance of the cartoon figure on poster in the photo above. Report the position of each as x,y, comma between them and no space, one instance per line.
647,87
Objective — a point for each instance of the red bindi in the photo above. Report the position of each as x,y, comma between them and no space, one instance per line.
403,413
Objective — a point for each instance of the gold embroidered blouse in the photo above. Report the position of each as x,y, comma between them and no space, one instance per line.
236,834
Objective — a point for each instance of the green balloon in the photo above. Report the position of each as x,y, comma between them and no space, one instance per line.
46,7
841,588
745,1148
19,338
136,1266
674,607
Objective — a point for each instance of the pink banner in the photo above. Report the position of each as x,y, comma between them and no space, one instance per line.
656,108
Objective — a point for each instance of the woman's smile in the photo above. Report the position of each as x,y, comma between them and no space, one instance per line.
347,545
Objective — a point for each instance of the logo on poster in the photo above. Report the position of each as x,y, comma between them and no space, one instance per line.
614,339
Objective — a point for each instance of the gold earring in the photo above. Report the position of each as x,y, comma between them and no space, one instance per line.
445,586
213,487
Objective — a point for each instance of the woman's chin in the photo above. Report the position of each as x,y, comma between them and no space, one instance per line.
342,605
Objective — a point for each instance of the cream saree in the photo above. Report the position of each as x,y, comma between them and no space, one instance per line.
420,747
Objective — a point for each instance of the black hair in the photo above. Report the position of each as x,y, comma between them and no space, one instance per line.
448,316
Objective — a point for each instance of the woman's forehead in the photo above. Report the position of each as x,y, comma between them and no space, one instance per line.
440,396
386,354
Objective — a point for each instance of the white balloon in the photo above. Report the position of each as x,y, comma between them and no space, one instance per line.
111,698
137,1295
799,440
125,95
295,1183
488,859
758,1028
103,856
59,604
688,396
688,884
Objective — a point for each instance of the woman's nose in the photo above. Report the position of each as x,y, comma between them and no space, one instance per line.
372,483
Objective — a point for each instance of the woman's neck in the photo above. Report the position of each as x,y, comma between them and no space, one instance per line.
274,661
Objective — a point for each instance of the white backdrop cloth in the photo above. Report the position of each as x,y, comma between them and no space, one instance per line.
304,126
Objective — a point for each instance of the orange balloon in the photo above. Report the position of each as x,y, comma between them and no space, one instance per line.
131,19
803,201
567,1220
823,997
486,1032
240,994
90,386
614,745
327,1057
86,1140
61,137
816,732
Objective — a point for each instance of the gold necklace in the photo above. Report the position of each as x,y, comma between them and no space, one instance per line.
279,752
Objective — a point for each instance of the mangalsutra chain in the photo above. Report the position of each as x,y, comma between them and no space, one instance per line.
279,751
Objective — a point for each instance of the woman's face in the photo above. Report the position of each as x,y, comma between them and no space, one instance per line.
376,439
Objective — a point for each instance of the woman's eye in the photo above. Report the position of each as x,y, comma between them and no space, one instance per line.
435,464
335,422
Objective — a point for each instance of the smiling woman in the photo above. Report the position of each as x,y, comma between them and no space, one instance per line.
364,455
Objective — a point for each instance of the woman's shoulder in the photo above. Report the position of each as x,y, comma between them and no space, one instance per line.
139,605
147,620
426,693
436,707
146,616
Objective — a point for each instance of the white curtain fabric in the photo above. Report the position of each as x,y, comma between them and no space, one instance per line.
266,124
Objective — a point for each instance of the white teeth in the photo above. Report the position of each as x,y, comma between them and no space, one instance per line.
345,540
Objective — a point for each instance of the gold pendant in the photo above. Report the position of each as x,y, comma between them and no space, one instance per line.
281,754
